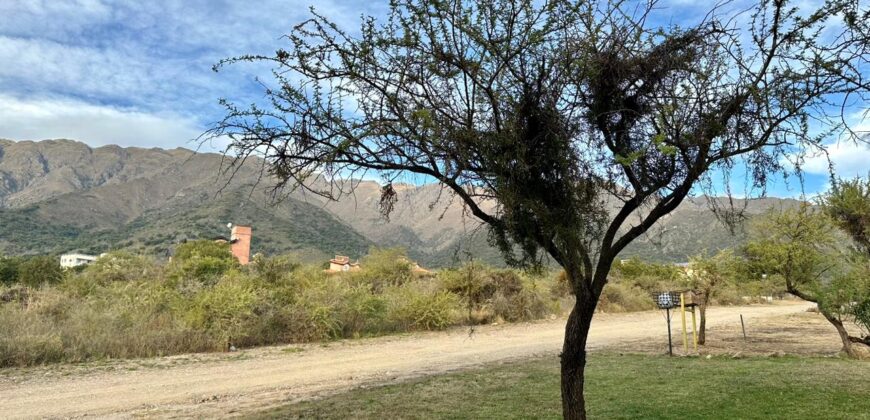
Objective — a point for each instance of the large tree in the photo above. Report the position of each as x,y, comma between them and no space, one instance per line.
568,127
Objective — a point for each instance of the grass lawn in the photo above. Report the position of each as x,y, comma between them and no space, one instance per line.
619,386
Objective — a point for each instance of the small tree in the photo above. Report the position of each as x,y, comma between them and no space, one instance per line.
848,204
36,271
9,269
801,246
707,275
568,128
383,267
202,260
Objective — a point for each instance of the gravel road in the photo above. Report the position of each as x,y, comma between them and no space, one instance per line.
217,385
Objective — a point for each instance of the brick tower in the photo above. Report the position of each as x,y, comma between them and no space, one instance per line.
240,238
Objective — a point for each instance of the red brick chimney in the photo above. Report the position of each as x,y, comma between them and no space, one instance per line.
240,237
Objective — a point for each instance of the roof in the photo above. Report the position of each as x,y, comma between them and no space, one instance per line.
82,256
341,260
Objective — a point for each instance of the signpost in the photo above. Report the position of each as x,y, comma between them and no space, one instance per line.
670,300
667,301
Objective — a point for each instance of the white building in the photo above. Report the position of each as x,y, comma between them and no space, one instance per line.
75,260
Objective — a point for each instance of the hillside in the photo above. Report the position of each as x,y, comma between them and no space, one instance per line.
61,195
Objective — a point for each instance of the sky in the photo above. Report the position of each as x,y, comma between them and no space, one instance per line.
138,73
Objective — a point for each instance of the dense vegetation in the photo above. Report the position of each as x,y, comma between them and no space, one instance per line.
126,305
297,227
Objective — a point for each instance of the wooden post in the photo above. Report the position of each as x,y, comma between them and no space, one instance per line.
694,329
683,311
670,344
743,327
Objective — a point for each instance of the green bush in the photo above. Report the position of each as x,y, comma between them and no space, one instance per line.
384,267
624,297
37,271
121,266
9,267
273,269
490,295
410,310
224,309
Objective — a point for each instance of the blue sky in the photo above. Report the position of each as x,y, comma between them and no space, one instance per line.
138,73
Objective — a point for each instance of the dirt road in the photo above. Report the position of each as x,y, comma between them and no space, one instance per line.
235,383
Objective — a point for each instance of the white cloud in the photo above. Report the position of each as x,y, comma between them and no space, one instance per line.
850,159
153,57
96,125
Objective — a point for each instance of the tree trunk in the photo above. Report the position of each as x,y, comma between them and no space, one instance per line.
844,335
702,324
574,358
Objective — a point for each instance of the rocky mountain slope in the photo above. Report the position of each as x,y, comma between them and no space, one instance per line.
61,195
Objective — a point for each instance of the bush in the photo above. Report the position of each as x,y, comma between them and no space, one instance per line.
623,297
384,267
489,295
273,269
121,266
9,269
224,309
37,271
410,309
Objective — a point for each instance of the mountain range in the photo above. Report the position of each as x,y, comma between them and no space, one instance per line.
59,196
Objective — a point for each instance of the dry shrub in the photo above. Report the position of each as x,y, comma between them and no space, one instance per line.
410,308
129,306
622,297
492,295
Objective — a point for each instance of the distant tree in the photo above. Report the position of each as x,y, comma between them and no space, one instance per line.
802,247
36,271
707,275
542,116
386,266
202,260
9,267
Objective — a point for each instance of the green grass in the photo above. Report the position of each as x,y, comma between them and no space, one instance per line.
624,387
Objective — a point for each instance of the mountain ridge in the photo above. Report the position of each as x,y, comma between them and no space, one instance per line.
62,195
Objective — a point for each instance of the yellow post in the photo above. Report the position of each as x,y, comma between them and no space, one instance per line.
694,329
683,312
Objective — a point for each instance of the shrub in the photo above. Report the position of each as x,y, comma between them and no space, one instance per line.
409,309
121,266
9,267
622,297
384,267
202,261
224,309
37,271
273,269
